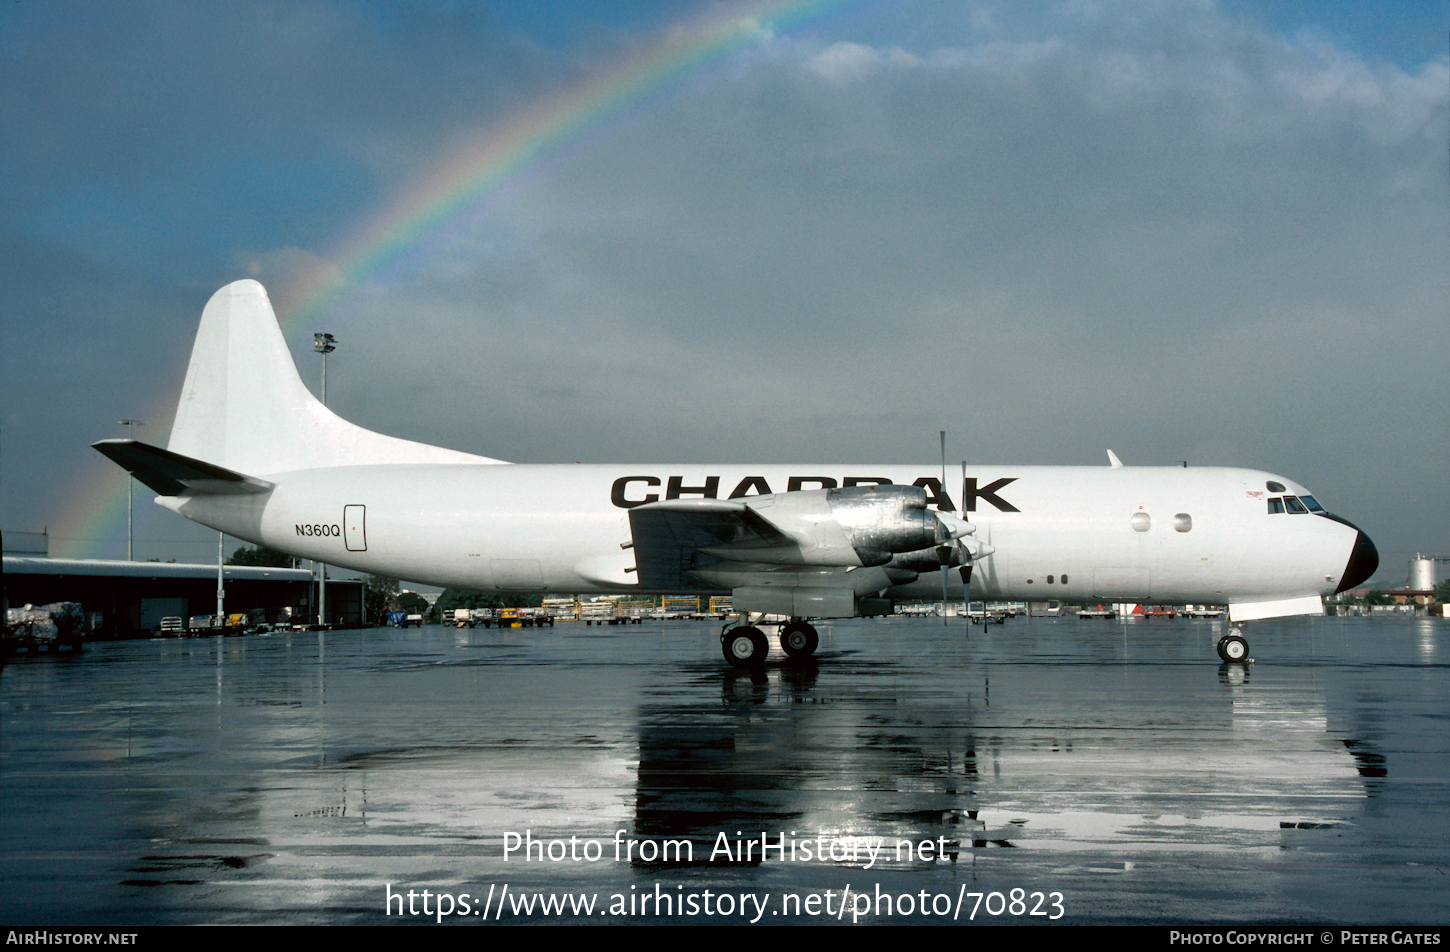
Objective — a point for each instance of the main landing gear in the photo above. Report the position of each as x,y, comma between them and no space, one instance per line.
798,639
1233,648
746,645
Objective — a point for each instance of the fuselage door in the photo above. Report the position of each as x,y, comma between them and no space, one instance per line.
354,528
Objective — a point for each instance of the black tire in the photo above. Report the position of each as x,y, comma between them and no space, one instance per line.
745,647
1233,649
799,640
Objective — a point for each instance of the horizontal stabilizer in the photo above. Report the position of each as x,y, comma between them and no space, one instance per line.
171,474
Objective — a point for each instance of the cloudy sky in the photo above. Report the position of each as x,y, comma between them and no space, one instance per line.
713,231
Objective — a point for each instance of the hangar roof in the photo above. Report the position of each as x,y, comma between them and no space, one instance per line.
19,565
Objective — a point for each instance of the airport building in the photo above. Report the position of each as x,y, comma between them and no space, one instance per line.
128,599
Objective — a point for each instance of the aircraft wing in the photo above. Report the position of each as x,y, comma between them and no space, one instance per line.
814,539
171,474
672,539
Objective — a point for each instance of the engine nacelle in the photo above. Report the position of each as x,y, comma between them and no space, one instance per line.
922,560
881,521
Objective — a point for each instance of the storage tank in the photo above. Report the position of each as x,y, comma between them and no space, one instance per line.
1422,574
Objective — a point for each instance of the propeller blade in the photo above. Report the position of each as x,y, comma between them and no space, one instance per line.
982,550
967,593
943,460
943,553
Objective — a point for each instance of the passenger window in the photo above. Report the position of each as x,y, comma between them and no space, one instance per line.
1311,502
1295,505
1275,505
1049,580
1141,522
1182,522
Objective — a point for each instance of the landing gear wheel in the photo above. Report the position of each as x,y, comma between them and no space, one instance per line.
745,646
799,640
1233,649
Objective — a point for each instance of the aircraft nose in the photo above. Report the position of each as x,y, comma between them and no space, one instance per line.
1364,558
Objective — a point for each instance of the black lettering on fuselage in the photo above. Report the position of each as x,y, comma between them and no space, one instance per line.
317,529
757,483
989,493
625,496
677,487
616,492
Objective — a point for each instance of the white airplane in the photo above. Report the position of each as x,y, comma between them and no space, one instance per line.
253,454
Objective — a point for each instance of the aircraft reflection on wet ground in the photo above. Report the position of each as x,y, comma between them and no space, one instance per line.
1119,767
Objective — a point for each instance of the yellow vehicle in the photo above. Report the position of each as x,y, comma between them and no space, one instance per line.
509,618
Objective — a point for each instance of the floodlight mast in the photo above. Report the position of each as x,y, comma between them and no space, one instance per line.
324,344
130,426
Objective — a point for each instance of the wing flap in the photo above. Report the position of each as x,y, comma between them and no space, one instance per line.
669,539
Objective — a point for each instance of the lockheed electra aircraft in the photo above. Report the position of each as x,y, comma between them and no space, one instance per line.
253,454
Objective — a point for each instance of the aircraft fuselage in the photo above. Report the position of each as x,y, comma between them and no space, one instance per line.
253,453
1161,534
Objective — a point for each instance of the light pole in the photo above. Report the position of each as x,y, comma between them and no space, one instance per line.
221,589
130,426
324,344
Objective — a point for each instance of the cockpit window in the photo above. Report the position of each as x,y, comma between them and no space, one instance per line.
1294,505
1275,505
1311,502
1274,487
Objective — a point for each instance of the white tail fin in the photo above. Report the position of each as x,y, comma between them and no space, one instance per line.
244,407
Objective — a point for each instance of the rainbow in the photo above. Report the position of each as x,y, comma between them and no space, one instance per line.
497,163
503,159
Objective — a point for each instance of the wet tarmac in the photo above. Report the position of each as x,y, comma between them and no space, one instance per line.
1040,771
